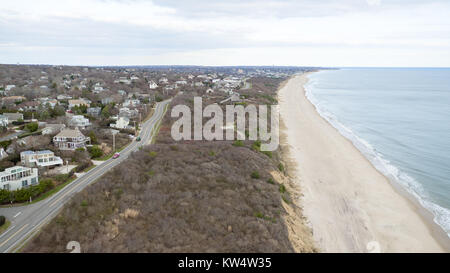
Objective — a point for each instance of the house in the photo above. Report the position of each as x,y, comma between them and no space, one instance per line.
122,92
51,129
13,99
98,88
9,87
70,139
94,111
107,100
3,154
181,82
63,97
126,112
152,85
163,80
79,102
3,121
13,117
129,103
121,123
79,121
52,103
40,159
29,106
17,177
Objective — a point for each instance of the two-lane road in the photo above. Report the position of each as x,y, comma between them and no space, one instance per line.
26,221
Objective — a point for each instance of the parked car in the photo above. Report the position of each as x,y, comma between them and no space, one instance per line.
116,155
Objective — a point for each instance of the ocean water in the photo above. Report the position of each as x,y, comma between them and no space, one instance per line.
400,120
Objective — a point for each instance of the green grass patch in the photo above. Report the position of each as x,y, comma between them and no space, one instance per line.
255,175
5,226
238,143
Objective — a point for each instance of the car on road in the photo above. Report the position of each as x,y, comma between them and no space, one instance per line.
116,155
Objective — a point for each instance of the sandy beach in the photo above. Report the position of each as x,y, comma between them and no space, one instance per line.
350,206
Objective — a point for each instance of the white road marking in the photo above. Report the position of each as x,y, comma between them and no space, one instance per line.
17,214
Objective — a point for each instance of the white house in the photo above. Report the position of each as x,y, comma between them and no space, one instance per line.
17,177
121,123
40,159
152,85
79,121
3,121
163,80
129,103
9,87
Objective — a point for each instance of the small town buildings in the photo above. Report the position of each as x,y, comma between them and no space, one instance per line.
79,121
79,102
122,92
40,159
129,103
51,129
9,87
152,85
163,80
70,139
121,123
13,117
3,154
13,99
17,177
3,121
94,111
126,112
29,106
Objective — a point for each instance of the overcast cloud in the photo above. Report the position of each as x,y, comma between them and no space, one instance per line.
207,32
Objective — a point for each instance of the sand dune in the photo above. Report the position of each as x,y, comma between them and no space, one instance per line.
349,204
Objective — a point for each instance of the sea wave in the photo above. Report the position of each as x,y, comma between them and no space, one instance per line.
441,215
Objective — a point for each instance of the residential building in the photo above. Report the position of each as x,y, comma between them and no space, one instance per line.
40,159
3,121
79,102
9,87
79,121
17,177
94,111
121,123
13,117
129,103
152,85
70,139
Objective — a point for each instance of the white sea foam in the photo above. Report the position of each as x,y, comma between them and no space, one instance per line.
441,215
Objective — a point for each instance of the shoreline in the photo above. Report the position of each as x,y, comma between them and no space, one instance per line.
347,201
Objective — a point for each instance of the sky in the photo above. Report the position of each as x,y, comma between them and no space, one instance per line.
331,33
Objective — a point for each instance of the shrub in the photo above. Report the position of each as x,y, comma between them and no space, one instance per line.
153,153
268,153
95,151
31,127
255,175
270,181
256,145
238,143
281,167
282,188
2,220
